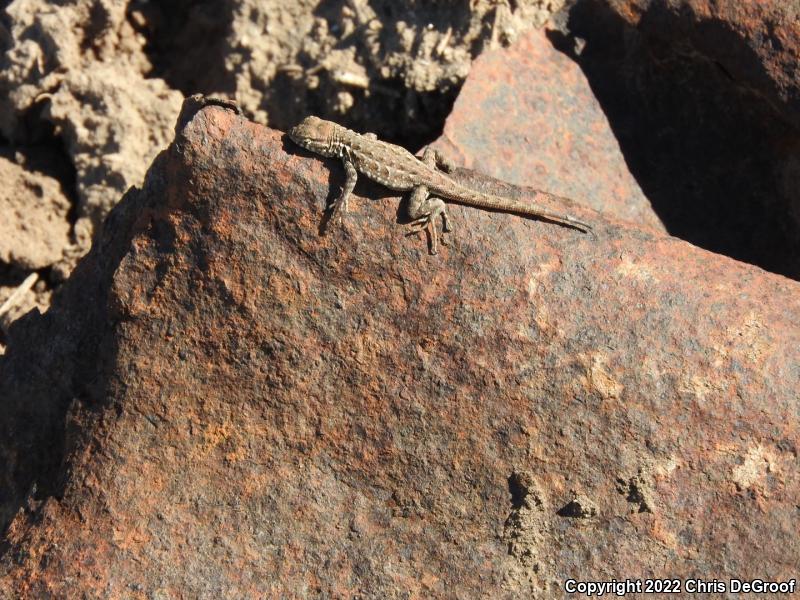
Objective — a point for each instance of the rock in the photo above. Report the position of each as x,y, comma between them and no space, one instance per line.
527,115
243,407
756,42
704,100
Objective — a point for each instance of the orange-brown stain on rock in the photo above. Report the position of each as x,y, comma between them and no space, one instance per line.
356,425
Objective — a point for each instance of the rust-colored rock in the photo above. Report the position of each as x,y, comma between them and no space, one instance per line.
251,409
703,97
756,41
527,115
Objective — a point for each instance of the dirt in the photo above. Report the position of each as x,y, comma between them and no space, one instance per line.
34,230
390,66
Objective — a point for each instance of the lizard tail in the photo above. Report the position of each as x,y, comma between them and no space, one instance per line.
464,195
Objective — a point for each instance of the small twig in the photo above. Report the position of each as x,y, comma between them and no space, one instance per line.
440,47
16,297
351,79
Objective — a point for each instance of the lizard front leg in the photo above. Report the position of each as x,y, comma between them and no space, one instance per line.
339,207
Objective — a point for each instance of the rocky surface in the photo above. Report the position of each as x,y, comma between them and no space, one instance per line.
100,81
756,42
527,115
703,99
226,403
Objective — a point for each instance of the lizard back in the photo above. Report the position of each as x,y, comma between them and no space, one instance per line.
391,166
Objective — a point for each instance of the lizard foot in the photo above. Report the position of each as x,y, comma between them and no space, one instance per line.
428,224
427,221
338,209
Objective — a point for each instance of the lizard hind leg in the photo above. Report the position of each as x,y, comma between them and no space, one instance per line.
424,210
436,160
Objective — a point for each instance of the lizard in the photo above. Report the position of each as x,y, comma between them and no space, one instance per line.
396,168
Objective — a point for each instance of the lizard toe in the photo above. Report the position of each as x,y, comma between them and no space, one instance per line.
419,224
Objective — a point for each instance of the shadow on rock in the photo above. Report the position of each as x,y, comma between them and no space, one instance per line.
719,162
56,372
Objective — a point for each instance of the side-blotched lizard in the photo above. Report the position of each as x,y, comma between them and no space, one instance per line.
398,169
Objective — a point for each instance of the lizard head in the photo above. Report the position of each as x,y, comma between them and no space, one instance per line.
315,134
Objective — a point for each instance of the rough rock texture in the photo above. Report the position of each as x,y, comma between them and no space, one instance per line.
245,407
100,81
703,99
757,42
34,230
527,115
